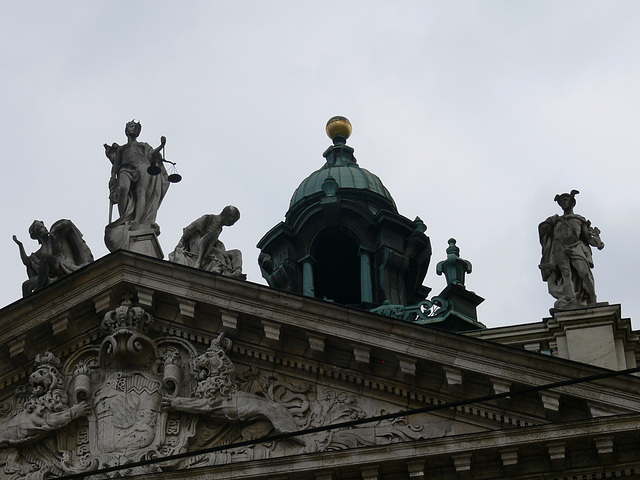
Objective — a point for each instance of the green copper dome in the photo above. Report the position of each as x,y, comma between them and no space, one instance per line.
342,238
341,169
346,176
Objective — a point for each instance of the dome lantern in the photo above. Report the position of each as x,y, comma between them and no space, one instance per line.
343,239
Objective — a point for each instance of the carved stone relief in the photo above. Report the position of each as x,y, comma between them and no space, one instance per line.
133,398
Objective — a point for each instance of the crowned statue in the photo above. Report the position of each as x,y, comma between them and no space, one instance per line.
137,186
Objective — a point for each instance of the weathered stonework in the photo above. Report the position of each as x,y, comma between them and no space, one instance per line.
133,398
158,359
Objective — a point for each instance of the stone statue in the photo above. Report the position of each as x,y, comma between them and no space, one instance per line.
45,408
566,255
137,193
218,395
62,251
201,248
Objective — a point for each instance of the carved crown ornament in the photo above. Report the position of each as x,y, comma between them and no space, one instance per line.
126,340
131,399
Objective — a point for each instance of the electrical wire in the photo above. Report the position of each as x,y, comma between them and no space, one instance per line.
352,423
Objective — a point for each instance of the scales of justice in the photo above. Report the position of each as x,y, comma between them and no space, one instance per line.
138,184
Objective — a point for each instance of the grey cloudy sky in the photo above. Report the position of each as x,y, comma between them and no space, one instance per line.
473,114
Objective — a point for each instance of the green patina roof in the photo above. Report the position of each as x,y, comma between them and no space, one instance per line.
347,176
342,166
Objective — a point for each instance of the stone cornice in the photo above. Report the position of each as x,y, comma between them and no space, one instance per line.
483,445
122,270
402,394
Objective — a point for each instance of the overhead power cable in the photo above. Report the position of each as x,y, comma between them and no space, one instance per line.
353,423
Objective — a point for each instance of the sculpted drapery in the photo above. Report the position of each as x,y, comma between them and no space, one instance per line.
566,255
137,193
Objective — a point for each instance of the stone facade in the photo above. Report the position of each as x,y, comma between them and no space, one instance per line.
596,335
156,370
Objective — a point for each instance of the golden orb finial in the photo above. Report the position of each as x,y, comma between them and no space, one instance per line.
338,126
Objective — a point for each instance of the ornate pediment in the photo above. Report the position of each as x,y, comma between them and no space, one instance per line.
139,382
129,398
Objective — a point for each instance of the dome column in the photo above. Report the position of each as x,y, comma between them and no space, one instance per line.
308,288
366,286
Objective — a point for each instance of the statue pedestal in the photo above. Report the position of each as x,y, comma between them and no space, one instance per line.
596,335
145,242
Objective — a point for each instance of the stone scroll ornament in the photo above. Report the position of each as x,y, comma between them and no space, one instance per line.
134,398
200,246
137,193
62,251
566,255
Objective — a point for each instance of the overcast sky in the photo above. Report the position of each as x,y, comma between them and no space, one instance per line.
473,114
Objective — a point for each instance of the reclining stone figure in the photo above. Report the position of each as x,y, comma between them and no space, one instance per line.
219,397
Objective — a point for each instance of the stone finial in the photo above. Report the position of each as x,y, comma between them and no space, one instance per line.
419,225
453,267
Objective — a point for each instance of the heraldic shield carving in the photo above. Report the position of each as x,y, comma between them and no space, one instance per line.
103,408
133,399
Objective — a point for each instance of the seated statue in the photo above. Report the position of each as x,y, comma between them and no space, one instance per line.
200,246
61,252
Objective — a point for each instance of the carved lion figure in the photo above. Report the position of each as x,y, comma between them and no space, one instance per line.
218,395
45,407
214,371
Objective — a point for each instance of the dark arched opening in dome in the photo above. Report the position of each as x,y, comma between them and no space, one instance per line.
343,238
337,267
